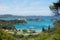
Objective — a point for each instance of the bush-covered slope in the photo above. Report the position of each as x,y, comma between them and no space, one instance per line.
6,36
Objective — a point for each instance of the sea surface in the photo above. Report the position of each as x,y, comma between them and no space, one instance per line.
35,25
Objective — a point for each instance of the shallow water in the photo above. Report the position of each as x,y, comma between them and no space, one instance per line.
35,25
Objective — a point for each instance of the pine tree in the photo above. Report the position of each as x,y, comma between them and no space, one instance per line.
43,29
55,8
49,27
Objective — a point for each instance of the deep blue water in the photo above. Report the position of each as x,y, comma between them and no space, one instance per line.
36,25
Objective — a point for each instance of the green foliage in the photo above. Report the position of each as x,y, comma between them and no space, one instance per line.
6,36
41,36
6,25
44,35
47,35
55,36
57,23
52,7
24,31
9,24
55,8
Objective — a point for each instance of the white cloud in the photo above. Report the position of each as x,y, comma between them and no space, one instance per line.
19,11
23,8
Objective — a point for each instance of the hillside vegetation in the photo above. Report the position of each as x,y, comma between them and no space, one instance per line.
5,36
54,34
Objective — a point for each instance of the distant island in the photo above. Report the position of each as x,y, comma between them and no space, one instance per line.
14,17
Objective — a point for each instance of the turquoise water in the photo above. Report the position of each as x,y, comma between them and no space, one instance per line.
35,25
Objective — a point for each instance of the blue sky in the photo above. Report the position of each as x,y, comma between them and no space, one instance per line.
26,7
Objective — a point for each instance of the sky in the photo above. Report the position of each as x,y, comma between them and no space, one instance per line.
26,7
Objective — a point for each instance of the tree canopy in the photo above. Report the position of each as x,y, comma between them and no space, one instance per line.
55,8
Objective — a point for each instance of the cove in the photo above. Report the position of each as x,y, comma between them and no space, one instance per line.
35,25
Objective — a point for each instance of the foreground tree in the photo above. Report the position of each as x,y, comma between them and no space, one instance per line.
55,8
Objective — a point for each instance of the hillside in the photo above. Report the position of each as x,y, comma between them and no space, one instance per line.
6,36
